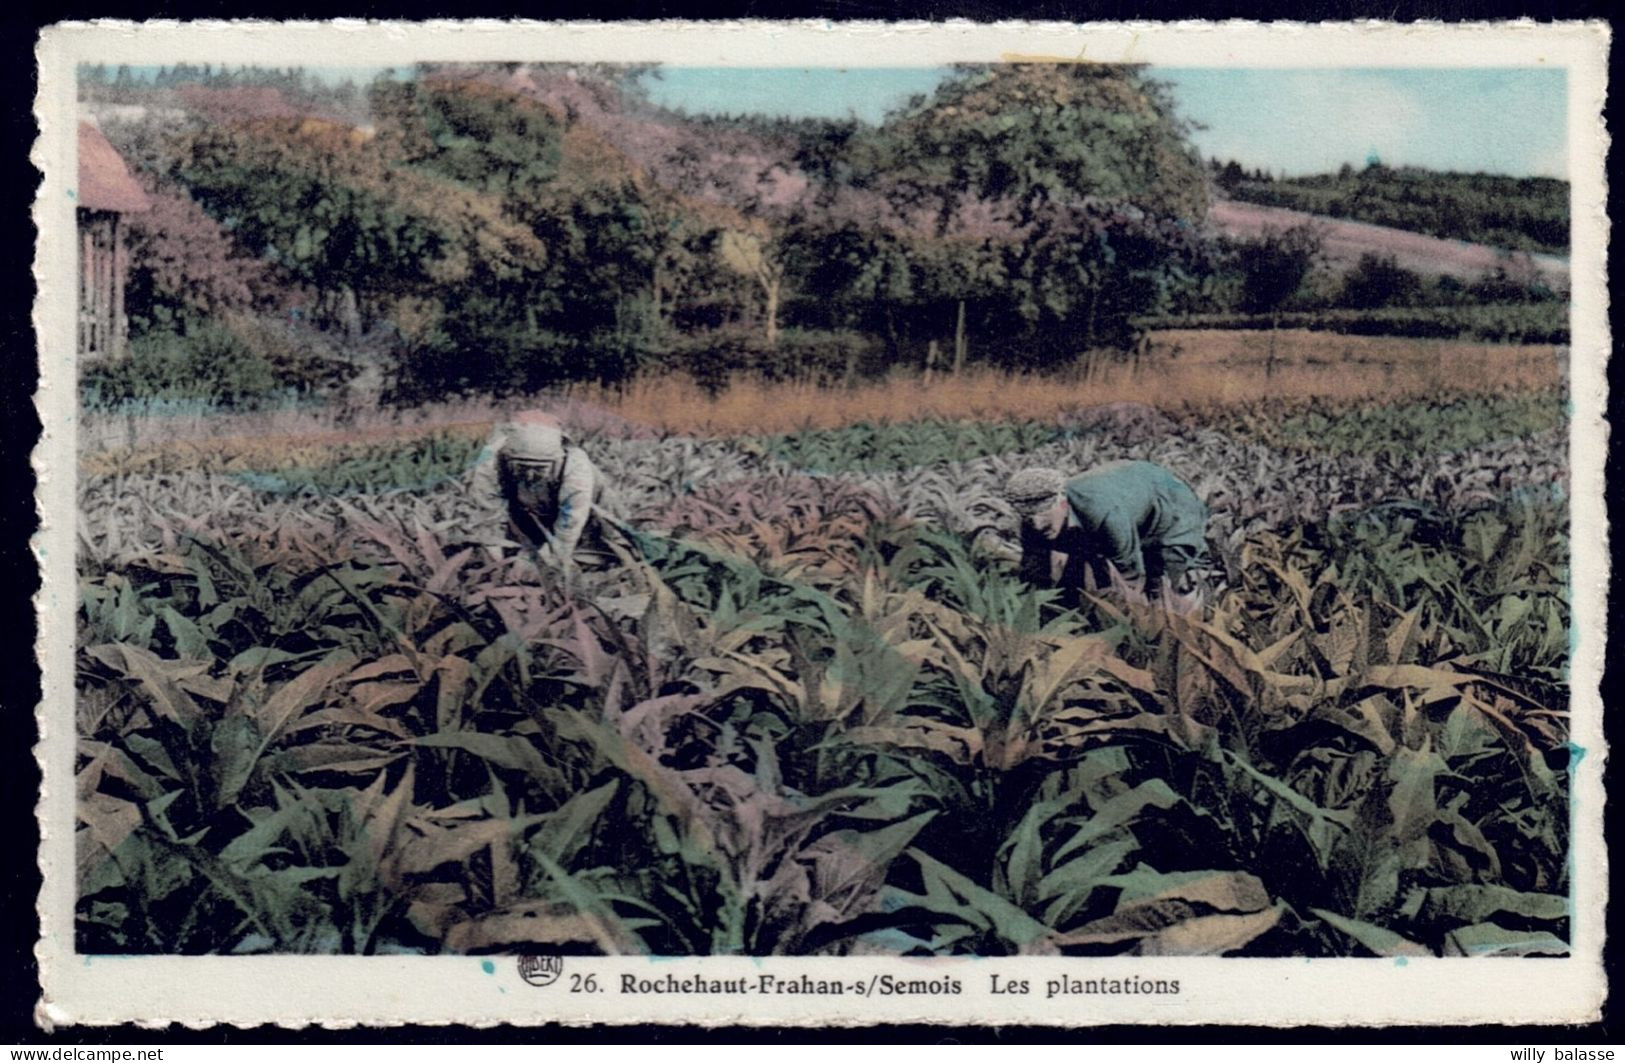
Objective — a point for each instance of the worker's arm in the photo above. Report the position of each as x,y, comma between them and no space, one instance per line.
482,479
575,504
1035,557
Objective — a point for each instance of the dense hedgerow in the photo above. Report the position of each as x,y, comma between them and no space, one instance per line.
1537,322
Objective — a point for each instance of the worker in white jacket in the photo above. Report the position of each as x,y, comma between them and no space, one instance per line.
550,487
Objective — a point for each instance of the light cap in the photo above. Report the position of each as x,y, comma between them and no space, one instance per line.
1030,490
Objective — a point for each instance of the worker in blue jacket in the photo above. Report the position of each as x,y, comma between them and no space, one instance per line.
1134,520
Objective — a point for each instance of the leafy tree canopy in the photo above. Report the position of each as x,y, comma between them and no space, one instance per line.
1038,136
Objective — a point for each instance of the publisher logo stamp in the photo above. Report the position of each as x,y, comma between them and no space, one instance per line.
541,970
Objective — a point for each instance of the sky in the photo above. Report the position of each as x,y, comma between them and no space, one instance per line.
1499,121
1289,121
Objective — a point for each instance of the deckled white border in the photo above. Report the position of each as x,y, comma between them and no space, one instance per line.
342,991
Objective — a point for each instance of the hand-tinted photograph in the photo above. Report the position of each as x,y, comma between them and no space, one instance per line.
1068,509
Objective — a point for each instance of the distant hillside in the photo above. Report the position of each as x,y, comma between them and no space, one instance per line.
1344,243
1514,213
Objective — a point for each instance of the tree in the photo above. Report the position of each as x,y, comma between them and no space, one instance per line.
1036,135
726,180
753,252
1273,269
475,133
1379,281
183,266
957,271
325,205
1025,175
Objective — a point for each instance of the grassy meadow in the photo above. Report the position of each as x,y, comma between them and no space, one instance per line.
1181,369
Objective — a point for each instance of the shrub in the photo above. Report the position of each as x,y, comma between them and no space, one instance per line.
824,356
1514,280
1378,281
1275,266
505,359
209,364
821,356
237,362
302,359
184,266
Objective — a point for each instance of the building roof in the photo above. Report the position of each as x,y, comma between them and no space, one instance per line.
104,181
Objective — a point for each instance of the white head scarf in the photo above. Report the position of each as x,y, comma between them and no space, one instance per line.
535,436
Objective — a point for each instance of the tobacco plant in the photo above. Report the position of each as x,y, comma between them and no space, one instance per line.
327,708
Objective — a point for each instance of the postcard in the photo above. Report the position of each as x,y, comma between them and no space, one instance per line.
821,524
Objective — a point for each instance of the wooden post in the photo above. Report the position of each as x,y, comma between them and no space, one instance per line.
930,360
104,286
87,286
959,339
93,252
771,282
1269,359
120,334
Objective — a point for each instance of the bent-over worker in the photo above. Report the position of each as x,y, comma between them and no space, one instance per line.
1134,519
551,489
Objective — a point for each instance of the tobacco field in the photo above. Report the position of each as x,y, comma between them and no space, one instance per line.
323,708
